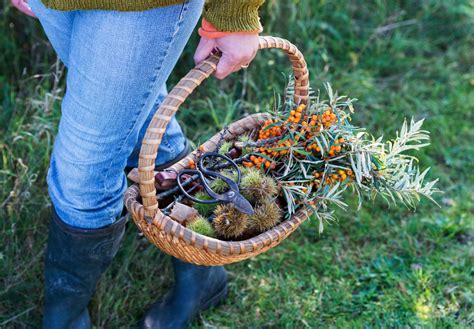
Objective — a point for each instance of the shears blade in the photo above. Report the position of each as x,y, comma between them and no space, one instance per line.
241,204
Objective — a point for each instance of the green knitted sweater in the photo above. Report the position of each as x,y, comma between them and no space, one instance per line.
225,15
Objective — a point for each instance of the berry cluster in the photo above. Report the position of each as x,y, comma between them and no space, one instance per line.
328,118
298,130
337,147
296,114
258,162
340,176
270,129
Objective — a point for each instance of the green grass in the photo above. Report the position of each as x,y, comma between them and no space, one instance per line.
380,267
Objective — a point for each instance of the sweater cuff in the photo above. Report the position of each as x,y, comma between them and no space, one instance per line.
207,30
233,15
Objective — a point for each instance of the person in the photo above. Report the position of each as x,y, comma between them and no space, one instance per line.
119,54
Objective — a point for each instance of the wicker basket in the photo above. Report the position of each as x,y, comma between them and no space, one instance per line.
172,237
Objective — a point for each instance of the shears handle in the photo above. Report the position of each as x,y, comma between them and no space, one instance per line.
210,172
195,174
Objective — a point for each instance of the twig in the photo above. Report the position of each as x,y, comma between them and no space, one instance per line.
17,316
257,143
393,26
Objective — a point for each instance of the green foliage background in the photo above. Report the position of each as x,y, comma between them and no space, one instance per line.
381,267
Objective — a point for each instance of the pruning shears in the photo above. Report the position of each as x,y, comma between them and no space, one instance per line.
205,172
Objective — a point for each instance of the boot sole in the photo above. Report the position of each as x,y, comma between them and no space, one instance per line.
214,301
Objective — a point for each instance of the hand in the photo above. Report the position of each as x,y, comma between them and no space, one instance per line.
238,50
22,5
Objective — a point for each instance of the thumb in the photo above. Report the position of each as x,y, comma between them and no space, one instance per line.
204,49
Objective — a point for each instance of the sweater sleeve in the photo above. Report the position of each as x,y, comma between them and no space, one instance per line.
233,15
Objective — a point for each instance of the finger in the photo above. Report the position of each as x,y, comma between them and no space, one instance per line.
236,67
204,49
27,10
254,53
244,63
23,6
227,64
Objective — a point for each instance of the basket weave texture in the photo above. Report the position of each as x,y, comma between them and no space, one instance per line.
141,202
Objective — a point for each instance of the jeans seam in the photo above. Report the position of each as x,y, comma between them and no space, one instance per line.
166,142
152,85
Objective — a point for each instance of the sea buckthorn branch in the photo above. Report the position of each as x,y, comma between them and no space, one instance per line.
315,154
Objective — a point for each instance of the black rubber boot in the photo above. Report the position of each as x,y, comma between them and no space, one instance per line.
196,289
75,259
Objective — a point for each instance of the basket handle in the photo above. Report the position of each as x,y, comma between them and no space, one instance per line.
178,95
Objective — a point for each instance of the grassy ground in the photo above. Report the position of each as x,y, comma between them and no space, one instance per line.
381,267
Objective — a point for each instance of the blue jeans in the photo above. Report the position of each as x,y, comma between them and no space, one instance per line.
118,64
